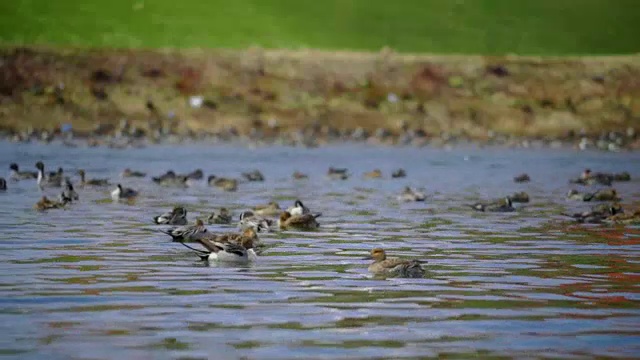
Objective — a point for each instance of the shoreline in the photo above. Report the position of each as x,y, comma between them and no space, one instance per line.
316,97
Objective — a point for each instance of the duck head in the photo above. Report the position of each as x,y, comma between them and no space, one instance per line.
377,254
14,167
40,166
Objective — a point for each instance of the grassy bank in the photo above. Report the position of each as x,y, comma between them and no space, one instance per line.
286,91
540,27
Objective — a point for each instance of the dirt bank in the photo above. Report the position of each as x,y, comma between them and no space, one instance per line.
271,92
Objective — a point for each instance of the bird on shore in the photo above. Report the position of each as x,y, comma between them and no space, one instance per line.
337,173
223,216
400,173
45,204
131,173
223,183
270,209
254,175
522,178
373,174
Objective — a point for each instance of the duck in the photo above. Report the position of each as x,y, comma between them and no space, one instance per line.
91,182
623,218
69,193
187,232
3,184
589,178
122,193
249,220
223,216
197,174
505,205
337,174
520,197
45,204
605,195
597,213
299,222
127,173
623,176
522,178
373,174
576,195
225,252
392,266
399,173
254,175
409,194
248,239
177,216
48,180
270,209
223,183
171,179
297,175
16,174
298,208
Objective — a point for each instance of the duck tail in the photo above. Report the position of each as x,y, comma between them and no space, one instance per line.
204,255
316,215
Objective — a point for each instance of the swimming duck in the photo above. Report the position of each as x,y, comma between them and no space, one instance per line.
576,195
226,252
3,184
69,193
48,180
520,197
373,174
171,179
623,176
45,204
505,205
300,222
589,178
270,209
91,182
195,175
605,195
337,174
221,217
400,173
248,239
223,183
409,194
130,173
299,176
522,178
254,175
623,218
177,216
249,220
298,208
122,193
16,174
395,267
597,213
187,232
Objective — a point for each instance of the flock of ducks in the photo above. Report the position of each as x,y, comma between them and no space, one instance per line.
245,246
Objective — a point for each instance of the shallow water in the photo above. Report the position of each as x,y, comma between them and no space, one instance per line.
98,281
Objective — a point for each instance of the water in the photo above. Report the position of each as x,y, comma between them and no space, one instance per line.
97,281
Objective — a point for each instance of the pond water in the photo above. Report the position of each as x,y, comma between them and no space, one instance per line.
98,281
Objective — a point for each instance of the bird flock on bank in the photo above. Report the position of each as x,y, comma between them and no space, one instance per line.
245,246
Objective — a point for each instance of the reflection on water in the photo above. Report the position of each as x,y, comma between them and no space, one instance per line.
98,281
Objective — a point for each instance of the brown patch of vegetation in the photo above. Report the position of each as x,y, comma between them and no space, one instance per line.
44,88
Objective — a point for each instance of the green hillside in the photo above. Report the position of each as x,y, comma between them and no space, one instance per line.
544,27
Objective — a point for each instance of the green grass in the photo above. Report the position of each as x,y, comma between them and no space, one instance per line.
537,27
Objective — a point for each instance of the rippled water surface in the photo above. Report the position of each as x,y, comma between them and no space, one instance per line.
98,281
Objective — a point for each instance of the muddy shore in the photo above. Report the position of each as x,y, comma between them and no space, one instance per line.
313,97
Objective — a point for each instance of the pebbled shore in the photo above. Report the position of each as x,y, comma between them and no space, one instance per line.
126,98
